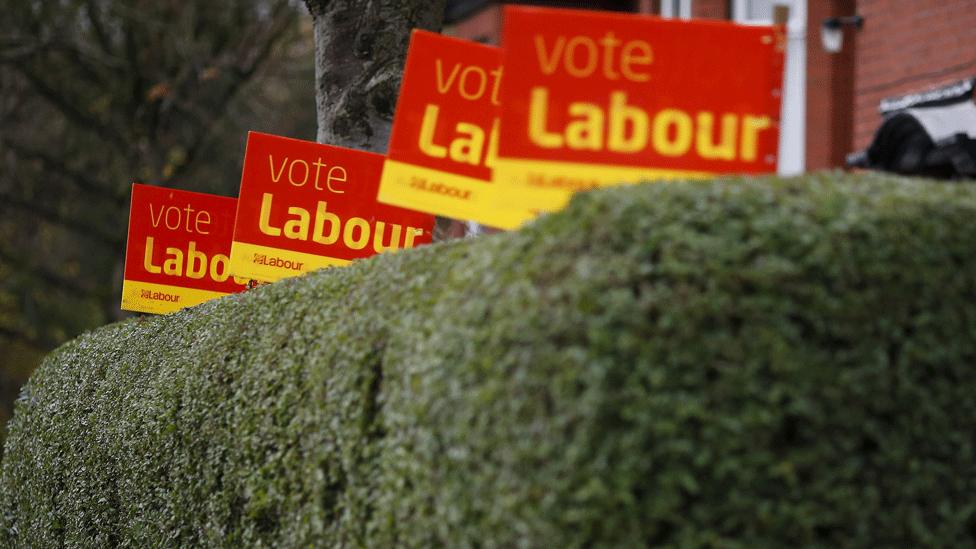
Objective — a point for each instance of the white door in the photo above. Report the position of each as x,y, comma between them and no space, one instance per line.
792,137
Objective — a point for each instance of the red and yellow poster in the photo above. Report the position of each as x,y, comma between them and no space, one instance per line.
593,99
177,251
304,206
445,133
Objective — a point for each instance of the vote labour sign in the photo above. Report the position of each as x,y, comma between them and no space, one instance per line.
177,251
593,99
445,133
305,205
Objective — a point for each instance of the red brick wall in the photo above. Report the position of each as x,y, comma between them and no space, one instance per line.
484,26
907,46
830,89
710,9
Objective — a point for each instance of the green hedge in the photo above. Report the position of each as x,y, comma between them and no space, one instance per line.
763,363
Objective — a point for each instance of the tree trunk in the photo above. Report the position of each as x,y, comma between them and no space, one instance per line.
360,47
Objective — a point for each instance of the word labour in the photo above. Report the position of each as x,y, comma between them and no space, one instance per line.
191,263
621,127
327,228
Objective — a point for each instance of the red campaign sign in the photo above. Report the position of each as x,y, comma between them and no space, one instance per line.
305,205
178,249
592,98
446,110
445,133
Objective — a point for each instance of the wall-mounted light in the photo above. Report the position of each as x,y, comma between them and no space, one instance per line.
832,31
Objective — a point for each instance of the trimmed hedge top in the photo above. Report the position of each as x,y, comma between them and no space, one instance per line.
755,363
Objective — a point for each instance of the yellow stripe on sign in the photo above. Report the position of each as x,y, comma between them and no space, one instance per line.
146,297
446,194
547,185
270,264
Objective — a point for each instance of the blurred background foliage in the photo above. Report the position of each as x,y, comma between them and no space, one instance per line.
96,94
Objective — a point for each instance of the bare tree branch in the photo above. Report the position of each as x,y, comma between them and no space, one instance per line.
21,52
242,77
134,71
97,92
28,339
52,278
91,12
52,216
68,108
79,179
78,60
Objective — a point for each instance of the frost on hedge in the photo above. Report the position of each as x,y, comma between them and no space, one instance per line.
749,364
